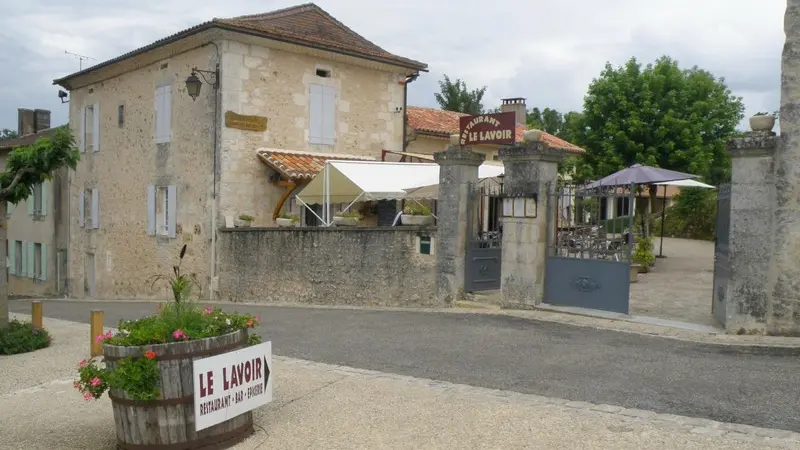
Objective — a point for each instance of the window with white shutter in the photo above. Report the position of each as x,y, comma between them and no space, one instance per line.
163,107
95,209
162,210
322,115
88,128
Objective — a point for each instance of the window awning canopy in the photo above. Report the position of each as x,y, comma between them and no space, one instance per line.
350,181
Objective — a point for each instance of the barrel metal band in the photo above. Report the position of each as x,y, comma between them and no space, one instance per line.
207,352
186,400
218,442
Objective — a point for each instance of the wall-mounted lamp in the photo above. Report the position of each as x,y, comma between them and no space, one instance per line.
193,83
62,95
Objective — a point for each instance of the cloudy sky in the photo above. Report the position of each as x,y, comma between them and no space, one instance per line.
545,50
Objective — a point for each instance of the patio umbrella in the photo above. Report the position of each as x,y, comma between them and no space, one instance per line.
679,183
639,174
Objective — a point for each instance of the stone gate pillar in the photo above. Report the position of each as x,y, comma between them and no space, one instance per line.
743,251
458,166
529,168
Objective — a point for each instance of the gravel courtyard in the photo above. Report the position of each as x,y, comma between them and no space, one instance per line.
679,288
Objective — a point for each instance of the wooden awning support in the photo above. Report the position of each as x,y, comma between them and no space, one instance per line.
290,187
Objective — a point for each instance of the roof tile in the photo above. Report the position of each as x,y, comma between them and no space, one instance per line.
296,165
444,123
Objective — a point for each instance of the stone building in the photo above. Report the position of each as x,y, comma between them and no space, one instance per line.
38,234
281,92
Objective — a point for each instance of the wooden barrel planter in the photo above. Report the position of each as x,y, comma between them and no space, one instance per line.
168,423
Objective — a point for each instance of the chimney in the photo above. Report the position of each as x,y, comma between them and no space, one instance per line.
517,106
41,120
25,121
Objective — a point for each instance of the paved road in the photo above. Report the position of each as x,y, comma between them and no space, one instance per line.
753,387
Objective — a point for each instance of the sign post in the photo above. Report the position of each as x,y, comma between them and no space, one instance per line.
500,128
231,384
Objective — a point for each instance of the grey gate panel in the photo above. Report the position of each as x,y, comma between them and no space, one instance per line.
484,239
589,244
722,262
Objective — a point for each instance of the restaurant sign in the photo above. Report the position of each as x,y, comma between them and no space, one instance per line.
497,128
232,383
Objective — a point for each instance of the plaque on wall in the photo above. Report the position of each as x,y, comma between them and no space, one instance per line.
247,123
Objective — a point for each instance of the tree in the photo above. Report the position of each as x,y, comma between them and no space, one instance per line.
5,133
454,96
658,115
26,167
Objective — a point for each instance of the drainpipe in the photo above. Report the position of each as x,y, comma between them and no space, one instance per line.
409,79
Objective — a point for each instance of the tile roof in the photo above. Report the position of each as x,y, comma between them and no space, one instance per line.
439,122
28,139
295,164
306,24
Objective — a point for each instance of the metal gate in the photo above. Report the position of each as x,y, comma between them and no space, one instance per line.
589,243
722,262
484,237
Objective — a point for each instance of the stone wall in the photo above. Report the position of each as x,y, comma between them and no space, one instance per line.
327,266
275,83
120,251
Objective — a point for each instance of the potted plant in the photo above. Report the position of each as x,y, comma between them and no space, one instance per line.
347,218
287,220
244,221
763,121
147,369
416,214
643,254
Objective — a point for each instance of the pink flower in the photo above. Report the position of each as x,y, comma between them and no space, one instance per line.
83,362
87,396
95,381
99,338
208,310
103,337
179,334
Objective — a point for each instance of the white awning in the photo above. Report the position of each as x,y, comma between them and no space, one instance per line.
348,181
686,183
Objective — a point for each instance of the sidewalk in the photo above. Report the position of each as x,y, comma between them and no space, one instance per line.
324,406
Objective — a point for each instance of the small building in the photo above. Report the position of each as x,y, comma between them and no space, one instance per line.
216,121
37,233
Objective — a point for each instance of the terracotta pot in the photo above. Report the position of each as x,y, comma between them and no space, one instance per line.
408,219
762,123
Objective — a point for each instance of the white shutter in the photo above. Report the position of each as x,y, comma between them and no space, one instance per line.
315,99
82,136
159,105
82,208
172,209
151,210
329,115
95,209
96,128
167,108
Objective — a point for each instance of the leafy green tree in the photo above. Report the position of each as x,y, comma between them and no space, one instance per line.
658,115
26,167
455,96
5,133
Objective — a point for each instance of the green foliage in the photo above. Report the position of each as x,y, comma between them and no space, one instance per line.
20,337
643,252
587,210
658,115
92,379
293,217
693,216
138,377
180,322
29,165
247,218
415,209
180,284
351,214
455,96
5,133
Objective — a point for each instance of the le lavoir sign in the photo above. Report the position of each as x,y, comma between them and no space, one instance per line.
497,128
232,383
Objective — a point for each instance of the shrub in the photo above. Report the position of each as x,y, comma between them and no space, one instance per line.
20,337
293,217
247,218
643,253
415,209
351,214
693,216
